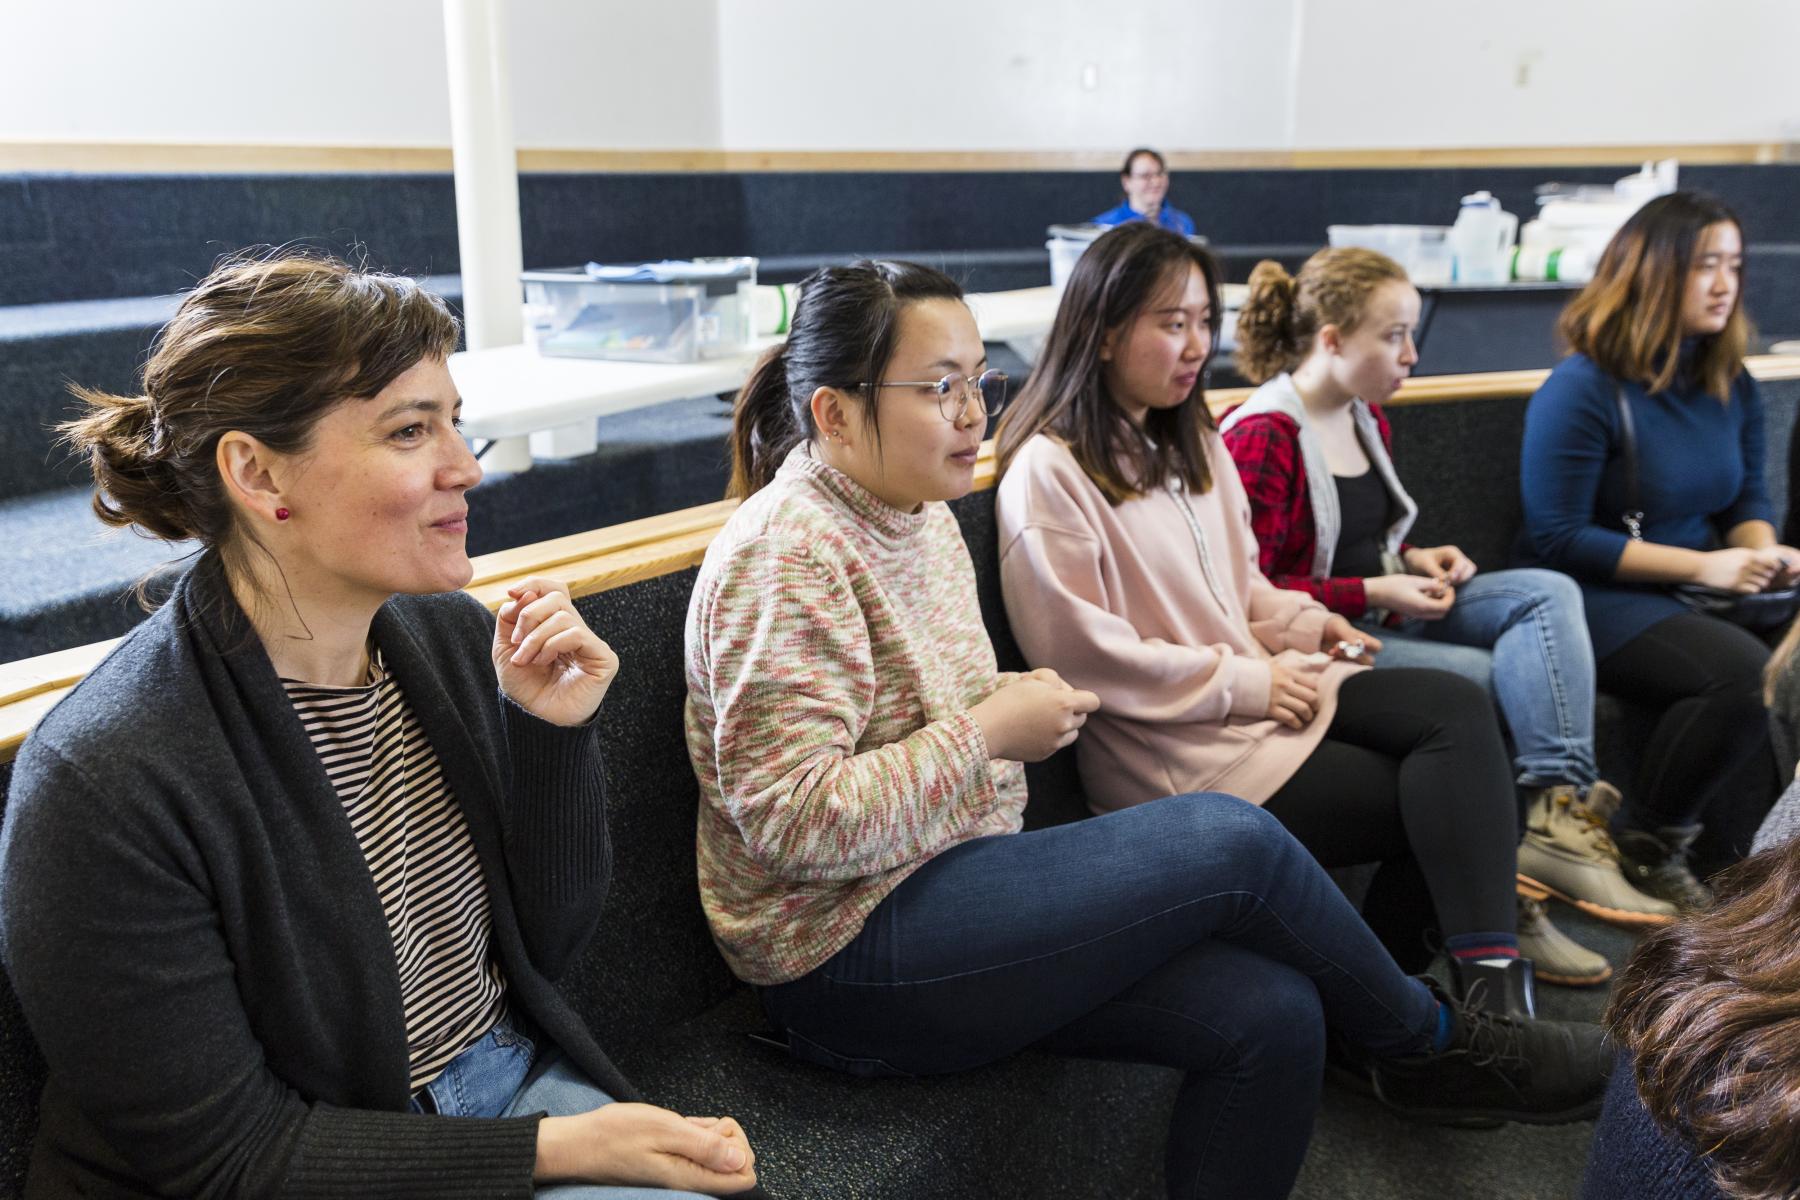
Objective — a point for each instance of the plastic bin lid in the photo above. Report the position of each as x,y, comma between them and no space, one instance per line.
669,271
1087,231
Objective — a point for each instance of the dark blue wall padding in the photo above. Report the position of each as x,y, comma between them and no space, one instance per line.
74,237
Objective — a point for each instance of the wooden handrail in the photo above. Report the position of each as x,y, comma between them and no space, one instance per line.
599,560
96,156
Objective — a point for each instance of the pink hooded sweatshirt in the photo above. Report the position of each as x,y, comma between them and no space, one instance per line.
1158,606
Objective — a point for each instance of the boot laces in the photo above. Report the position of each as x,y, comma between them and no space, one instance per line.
1489,1039
1594,826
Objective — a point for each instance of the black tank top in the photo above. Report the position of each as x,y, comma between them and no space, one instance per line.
1363,503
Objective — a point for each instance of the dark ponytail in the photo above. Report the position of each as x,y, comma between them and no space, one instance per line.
842,336
764,425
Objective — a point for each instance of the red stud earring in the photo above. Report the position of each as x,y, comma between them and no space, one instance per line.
282,514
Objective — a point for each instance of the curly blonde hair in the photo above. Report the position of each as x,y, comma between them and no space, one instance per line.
1283,313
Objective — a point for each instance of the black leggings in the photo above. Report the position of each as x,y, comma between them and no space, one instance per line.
1710,759
1413,775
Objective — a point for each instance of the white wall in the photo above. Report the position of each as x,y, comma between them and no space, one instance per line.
1547,72
1003,74
585,73
917,74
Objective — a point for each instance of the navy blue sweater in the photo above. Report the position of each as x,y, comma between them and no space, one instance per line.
1632,1159
1700,470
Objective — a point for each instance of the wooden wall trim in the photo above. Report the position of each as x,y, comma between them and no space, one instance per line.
599,560
111,158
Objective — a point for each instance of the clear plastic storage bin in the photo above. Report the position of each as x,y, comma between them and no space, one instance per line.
670,315
1069,242
1423,250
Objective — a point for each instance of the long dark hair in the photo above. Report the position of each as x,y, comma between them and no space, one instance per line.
1709,1008
842,336
1628,318
1122,272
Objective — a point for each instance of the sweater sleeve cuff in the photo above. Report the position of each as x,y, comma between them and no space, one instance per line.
1250,684
1748,510
361,1152
1348,596
557,798
964,734
1596,554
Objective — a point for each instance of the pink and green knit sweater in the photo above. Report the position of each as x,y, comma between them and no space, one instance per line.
834,648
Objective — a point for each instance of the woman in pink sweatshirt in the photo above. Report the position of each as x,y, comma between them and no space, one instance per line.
861,853
1129,566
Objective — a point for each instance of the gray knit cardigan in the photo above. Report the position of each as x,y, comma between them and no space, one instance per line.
197,942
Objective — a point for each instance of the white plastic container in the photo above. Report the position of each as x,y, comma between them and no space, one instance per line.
1424,250
1067,244
1555,264
1482,240
673,319
1063,254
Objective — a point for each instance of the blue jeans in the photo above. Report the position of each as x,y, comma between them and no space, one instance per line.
1523,634
494,1078
1191,932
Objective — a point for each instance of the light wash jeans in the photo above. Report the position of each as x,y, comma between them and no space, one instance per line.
493,1078
1523,635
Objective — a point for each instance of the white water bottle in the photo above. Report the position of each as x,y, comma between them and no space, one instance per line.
772,308
1482,240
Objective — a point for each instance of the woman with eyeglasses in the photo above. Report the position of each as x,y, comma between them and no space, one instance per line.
1145,181
1129,564
861,859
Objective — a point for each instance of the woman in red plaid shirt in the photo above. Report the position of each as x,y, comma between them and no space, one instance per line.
1331,517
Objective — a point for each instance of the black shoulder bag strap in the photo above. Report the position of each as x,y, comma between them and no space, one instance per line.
1633,516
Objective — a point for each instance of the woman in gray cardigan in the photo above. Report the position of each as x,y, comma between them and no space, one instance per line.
284,881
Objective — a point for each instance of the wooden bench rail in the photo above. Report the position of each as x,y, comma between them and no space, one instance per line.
598,560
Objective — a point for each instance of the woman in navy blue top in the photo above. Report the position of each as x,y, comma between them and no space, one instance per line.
1662,328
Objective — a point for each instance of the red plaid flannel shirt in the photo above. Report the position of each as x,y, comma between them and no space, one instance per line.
1266,448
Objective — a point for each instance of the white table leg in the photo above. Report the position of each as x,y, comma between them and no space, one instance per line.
507,454
566,441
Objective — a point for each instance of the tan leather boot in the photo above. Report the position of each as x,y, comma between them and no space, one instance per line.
1568,854
1559,958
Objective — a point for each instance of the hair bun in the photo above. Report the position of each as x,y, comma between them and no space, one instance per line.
127,446
1268,342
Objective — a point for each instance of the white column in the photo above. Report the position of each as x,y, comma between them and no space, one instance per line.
487,187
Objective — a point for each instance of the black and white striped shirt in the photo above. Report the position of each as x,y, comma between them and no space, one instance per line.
419,851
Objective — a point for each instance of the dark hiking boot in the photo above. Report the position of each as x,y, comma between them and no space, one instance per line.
1656,863
1500,1068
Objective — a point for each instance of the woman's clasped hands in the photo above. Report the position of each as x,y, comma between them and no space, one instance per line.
645,1146
1033,717
1746,571
1428,588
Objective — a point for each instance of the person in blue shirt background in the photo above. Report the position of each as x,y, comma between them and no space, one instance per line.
1145,178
